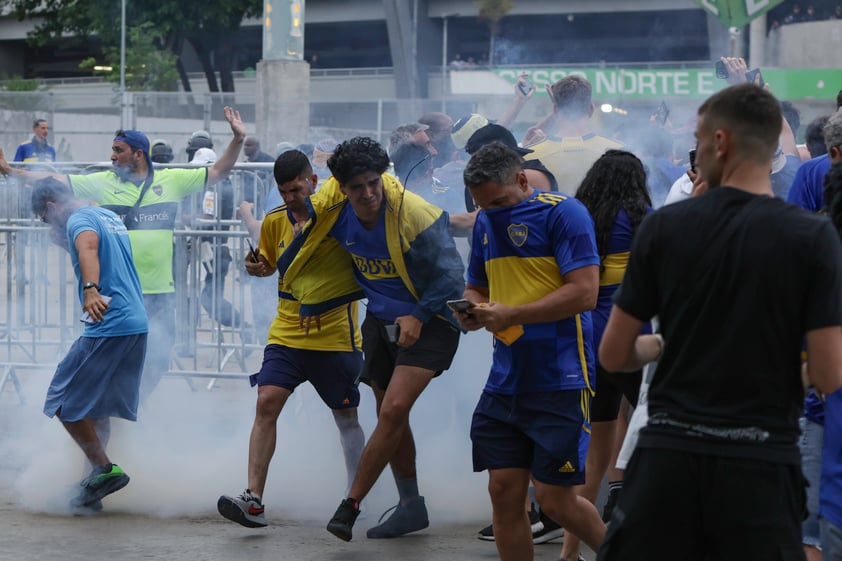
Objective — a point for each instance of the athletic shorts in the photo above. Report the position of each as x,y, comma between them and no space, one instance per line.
695,507
334,374
610,389
545,432
434,350
99,378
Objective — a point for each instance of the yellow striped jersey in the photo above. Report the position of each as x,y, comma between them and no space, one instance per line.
521,253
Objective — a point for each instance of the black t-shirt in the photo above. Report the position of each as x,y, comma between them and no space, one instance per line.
736,280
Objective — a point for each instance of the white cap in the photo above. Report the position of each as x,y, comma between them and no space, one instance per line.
203,156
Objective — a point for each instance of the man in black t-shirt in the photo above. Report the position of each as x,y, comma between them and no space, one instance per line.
737,279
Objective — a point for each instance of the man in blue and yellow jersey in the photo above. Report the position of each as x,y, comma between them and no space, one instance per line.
396,251
533,276
37,149
147,201
329,357
571,149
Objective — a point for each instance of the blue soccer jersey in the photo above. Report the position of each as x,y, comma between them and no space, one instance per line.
521,253
376,273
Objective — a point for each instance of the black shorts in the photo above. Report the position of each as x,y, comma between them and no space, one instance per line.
610,389
695,507
434,350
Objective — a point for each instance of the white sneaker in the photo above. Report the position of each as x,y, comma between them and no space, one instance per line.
245,509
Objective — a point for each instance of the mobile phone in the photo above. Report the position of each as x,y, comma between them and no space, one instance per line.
752,74
254,253
662,113
460,305
691,155
393,332
524,85
721,70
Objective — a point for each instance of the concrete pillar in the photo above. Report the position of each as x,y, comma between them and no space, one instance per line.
757,42
283,102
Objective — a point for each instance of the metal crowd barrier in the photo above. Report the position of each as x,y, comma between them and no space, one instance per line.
40,310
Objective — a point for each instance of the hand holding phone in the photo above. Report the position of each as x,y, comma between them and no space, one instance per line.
754,76
691,155
255,255
524,85
460,305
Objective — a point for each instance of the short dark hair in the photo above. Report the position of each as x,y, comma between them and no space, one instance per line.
751,113
290,165
814,136
572,96
357,156
493,163
47,190
37,122
407,156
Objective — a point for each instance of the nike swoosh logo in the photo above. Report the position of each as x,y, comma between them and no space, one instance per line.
348,243
119,192
253,510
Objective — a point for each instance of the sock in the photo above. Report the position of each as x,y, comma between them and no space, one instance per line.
407,489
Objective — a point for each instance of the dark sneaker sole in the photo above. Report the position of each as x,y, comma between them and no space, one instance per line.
230,510
340,530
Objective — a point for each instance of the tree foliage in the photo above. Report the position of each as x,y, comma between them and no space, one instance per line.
209,26
148,66
492,11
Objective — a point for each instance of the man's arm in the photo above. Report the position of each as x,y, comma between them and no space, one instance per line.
26,175
577,294
622,348
87,246
223,165
824,358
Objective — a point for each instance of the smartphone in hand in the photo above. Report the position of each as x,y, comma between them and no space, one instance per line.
752,75
691,155
254,253
524,85
460,305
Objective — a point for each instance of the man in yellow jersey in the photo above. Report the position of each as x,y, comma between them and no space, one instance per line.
328,357
571,151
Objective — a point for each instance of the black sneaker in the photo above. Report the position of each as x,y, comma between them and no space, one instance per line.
102,481
487,533
407,518
549,532
343,519
610,503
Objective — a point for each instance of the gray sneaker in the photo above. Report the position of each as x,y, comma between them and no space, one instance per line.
405,519
245,509
102,481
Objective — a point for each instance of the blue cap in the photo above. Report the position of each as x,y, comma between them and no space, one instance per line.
138,141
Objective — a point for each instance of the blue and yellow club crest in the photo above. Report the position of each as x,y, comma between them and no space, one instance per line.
518,233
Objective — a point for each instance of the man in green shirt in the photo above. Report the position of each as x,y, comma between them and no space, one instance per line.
147,201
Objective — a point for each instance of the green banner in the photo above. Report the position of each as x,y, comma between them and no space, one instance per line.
737,13
619,83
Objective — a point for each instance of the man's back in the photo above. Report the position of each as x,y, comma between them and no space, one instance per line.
570,158
736,280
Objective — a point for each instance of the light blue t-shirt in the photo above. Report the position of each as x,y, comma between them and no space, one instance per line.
117,275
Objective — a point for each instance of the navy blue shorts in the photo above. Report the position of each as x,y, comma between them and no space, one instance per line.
334,374
545,432
434,350
610,389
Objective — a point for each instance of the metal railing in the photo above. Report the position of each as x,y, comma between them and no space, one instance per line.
40,309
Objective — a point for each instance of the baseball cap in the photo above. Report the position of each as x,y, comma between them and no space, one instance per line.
464,127
203,156
136,140
493,133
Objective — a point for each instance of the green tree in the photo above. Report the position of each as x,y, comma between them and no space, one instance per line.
148,67
492,11
210,27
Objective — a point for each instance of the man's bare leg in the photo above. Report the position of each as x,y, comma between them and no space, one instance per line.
352,438
576,514
512,531
264,434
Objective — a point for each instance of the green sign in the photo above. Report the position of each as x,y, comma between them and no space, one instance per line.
737,13
620,83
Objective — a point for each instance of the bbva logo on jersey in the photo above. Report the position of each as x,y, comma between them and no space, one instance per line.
518,233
